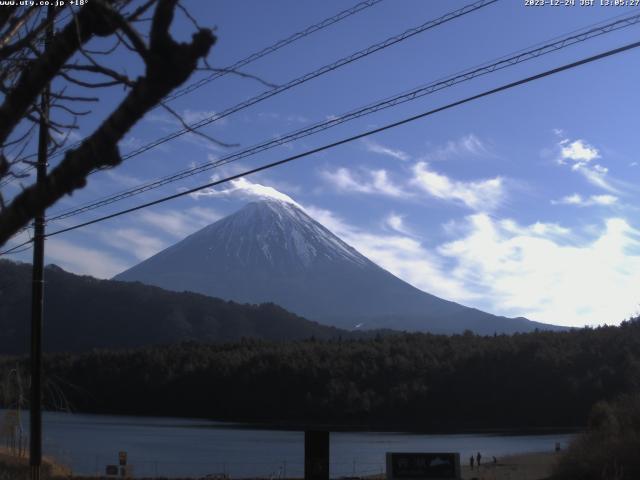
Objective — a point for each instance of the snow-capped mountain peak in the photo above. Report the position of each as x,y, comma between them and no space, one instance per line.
279,231
273,251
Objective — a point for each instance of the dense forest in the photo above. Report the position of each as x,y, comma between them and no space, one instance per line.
409,381
82,313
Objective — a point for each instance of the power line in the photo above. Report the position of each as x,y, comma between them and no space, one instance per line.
240,63
465,75
272,48
486,93
259,54
316,73
16,247
20,174
323,70
309,76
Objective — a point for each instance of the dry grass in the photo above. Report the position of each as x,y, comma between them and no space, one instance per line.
14,467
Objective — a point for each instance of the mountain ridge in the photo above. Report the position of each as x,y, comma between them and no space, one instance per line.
82,313
273,251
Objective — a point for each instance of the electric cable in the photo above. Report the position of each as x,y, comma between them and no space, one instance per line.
367,133
465,75
239,64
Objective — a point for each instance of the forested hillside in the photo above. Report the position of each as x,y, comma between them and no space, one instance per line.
82,313
411,381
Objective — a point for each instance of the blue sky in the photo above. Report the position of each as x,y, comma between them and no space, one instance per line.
524,203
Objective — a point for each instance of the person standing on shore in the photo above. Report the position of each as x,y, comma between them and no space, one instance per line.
471,462
478,458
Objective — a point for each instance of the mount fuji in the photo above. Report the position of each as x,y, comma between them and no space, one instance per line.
272,251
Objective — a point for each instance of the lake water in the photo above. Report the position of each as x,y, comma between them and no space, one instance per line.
187,447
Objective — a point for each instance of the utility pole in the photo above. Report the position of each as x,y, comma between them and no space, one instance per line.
37,291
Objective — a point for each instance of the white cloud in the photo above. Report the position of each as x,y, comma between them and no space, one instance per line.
243,188
468,145
579,155
537,229
579,201
596,175
395,222
547,278
177,223
369,181
205,215
478,195
574,199
193,116
486,194
123,179
579,151
154,231
131,143
83,260
134,241
69,136
296,118
604,199
375,147
403,256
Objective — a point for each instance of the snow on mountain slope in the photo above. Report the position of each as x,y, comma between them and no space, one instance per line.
272,251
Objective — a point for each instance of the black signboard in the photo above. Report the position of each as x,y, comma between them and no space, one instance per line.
417,466
112,470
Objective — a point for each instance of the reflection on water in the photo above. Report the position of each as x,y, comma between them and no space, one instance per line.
186,447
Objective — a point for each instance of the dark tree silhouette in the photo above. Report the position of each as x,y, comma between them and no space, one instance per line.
26,70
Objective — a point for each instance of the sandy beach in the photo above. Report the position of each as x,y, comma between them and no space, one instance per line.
529,466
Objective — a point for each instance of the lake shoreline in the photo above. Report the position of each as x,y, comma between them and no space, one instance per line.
524,466
294,426
175,447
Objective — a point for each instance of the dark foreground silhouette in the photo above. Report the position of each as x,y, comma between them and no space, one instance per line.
609,448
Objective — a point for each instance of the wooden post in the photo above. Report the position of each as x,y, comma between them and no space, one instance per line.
316,455
37,290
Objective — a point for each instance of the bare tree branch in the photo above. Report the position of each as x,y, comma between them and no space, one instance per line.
186,13
134,37
92,19
168,65
70,111
240,74
8,49
96,68
82,83
188,127
141,10
74,98
17,24
108,51
6,14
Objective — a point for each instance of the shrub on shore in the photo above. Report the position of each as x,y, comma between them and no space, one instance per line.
608,449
